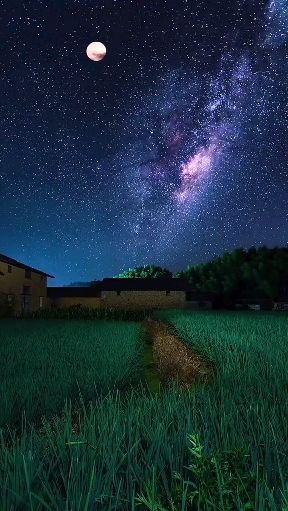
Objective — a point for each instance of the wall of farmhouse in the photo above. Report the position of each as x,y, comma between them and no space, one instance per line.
13,280
143,299
68,301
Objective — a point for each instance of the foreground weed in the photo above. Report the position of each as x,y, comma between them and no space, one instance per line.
218,479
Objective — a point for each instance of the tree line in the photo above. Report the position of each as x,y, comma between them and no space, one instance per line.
253,273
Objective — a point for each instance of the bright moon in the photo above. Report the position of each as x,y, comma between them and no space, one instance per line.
96,51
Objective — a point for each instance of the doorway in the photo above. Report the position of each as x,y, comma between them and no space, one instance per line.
26,303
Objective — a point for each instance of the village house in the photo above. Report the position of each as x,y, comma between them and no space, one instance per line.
136,293
67,296
27,285
166,293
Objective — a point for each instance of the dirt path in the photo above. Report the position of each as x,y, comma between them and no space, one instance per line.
174,359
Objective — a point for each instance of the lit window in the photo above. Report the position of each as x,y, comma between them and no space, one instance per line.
40,301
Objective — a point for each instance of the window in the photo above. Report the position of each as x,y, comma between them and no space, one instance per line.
118,293
167,293
26,290
9,268
27,274
40,302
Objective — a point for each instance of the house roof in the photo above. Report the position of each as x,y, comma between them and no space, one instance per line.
73,292
13,262
136,284
150,284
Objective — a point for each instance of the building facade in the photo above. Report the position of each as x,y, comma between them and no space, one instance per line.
166,293
23,285
133,294
67,296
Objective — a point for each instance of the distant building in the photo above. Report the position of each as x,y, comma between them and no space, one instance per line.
28,285
262,303
166,293
67,296
134,293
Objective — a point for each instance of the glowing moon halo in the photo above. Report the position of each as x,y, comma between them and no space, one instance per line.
96,51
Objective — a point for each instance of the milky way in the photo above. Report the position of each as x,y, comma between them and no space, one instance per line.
191,127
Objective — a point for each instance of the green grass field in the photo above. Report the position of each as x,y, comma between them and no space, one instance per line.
223,448
44,359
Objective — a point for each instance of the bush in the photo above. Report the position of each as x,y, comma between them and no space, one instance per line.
84,312
8,303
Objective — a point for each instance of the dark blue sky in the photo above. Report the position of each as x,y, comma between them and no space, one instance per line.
170,151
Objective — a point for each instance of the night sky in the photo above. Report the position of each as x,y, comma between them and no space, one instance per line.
169,151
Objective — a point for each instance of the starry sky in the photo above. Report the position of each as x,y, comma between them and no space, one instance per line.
170,151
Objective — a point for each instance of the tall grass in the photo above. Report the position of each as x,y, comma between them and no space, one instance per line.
222,448
43,361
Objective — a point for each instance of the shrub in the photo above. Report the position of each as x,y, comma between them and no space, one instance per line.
8,304
79,311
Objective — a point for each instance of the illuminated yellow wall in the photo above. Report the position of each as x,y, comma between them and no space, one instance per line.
143,299
13,283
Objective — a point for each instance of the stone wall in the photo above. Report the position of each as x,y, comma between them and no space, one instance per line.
143,299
